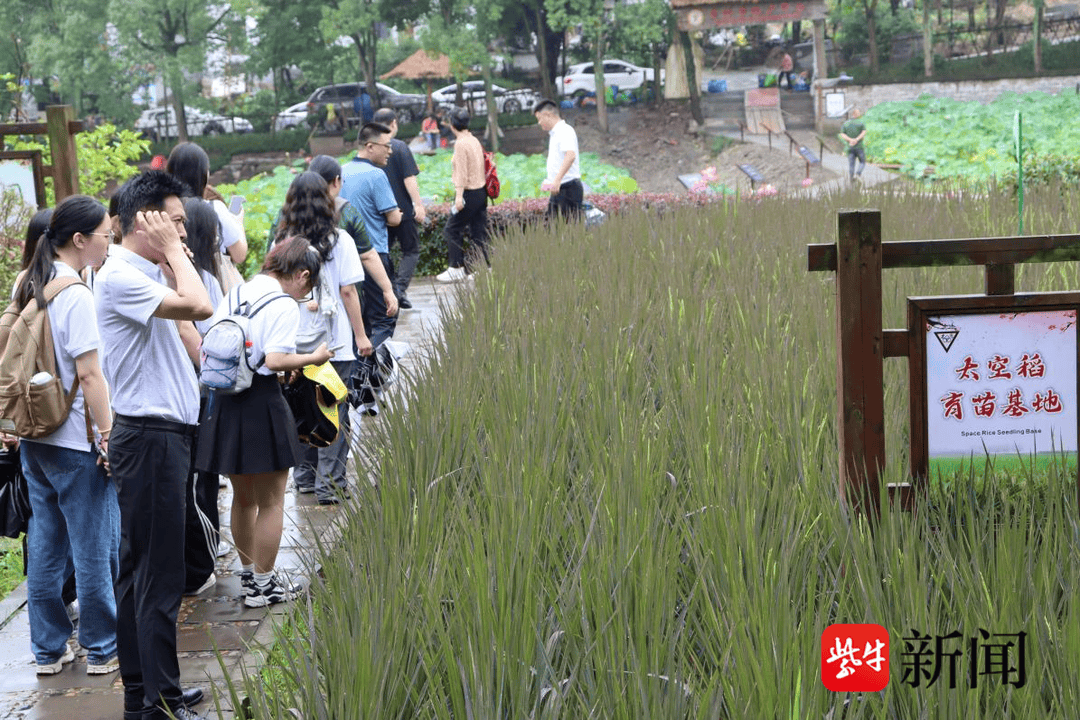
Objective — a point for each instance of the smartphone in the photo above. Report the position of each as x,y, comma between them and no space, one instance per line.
236,204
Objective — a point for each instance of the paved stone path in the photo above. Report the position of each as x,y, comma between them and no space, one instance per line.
216,620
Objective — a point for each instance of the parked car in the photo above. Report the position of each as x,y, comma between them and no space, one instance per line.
408,106
292,116
472,92
160,123
618,73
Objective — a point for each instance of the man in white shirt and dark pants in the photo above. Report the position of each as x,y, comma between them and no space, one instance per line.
563,179
145,287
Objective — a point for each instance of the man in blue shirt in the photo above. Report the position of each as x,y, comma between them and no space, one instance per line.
366,187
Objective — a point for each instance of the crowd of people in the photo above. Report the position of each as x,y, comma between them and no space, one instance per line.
124,494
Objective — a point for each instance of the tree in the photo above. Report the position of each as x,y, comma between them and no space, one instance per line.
645,28
286,34
172,32
592,16
464,33
870,8
548,44
358,20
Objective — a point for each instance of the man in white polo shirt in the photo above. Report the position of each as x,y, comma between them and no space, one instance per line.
563,179
146,285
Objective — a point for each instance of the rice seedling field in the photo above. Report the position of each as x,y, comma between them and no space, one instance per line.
613,494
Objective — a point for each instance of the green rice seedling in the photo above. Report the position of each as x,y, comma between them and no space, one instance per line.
614,494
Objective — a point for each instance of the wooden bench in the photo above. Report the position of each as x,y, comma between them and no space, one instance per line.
751,172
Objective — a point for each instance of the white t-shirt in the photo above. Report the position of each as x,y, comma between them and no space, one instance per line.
342,269
232,230
73,320
213,289
562,138
145,362
273,328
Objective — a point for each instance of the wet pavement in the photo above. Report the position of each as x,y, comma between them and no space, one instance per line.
217,635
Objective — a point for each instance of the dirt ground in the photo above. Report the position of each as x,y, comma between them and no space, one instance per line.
656,146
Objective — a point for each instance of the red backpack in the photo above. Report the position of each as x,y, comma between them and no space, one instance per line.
491,177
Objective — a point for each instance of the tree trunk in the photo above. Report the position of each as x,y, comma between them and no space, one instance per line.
691,78
1039,5
492,108
176,80
796,32
871,32
927,41
547,86
601,88
656,76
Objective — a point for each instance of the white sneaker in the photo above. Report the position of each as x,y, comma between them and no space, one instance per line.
210,582
55,667
451,275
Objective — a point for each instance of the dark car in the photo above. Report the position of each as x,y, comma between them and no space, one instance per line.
408,106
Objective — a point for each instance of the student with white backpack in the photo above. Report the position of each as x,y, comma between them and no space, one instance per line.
248,431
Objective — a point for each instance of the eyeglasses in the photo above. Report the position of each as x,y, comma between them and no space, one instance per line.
111,235
385,145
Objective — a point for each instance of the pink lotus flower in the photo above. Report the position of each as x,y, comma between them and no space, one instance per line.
808,182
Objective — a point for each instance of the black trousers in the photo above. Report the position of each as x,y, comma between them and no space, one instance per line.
407,237
472,217
150,461
567,202
373,306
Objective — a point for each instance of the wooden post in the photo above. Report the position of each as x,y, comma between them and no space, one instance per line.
1000,279
65,160
859,370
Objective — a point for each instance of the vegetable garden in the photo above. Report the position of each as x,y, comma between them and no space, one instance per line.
626,506
972,142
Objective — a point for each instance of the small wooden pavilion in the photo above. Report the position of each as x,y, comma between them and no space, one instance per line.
698,15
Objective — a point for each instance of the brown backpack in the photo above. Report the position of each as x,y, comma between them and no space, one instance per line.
33,410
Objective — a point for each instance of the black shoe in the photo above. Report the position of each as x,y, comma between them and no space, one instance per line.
192,696
403,302
181,713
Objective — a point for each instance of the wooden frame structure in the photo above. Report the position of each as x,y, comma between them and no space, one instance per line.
858,258
61,127
34,156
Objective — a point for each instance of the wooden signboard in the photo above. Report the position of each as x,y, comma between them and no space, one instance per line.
1011,327
993,379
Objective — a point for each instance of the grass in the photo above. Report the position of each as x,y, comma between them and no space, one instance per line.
11,565
614,494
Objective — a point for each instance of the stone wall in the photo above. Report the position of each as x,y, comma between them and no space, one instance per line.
866,96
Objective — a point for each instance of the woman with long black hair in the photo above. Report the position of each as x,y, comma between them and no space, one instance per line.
333,312
74,504
189,163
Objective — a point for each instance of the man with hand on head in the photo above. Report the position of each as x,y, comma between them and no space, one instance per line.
147,285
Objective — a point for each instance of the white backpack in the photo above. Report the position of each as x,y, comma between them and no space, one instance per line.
226,351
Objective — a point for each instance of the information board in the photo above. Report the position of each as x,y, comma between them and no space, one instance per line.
1000,383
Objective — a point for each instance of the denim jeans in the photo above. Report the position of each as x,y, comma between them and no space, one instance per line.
324,468
74,512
